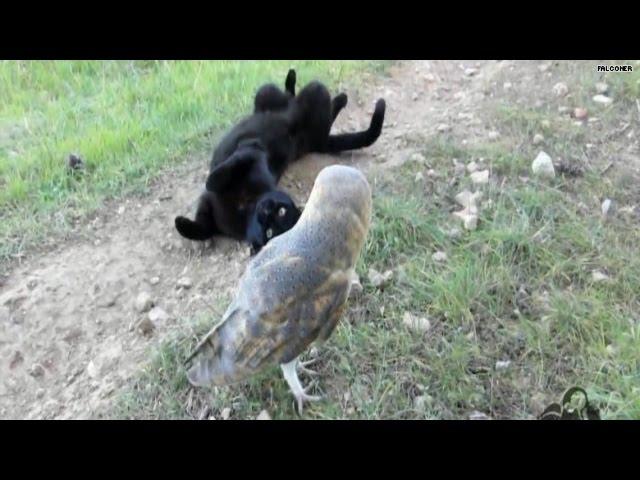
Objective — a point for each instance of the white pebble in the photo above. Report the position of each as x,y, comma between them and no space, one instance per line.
543,166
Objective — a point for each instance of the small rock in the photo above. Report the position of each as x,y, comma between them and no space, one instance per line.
418,158
36,370
154,280
472,167
602,88
628,209
606,205
143,302
544,67
493,135
480,177
603,100
379,280
469,214
598,276
439,257
31,284
74,162
443,127
564,109
40,393
414,97
580,113
468,200
417,324
502,364
225,413
422,401
146,326
507,85
121,210
469,220
419,177
92,370
560,89
543,166
263,415
475,415
184,282
538,139
454,233
432,173
156,314
16,359
469,72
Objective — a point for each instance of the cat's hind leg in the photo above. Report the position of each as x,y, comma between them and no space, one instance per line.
270,98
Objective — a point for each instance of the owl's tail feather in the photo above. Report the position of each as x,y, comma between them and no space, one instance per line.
204,370
207,367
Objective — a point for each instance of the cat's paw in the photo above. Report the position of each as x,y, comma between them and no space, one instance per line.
341,101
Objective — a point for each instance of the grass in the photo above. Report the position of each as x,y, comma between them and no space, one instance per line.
519,289
506,293
127,120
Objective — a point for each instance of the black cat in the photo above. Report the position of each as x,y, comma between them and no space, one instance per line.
242,200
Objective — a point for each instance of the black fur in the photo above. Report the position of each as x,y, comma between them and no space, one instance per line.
241,199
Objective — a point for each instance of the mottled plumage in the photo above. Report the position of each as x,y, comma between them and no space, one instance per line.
294,291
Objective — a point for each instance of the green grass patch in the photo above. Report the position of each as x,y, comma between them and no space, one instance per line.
127,119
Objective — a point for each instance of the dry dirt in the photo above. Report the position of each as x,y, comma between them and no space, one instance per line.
68,334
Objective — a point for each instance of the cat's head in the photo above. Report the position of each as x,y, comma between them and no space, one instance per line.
274,214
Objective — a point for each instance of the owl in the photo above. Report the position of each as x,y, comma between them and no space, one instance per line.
294,291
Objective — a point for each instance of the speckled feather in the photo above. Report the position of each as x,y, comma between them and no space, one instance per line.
294,291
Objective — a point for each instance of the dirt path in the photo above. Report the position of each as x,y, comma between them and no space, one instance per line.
68,334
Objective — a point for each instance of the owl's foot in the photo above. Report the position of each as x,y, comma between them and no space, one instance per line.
300,393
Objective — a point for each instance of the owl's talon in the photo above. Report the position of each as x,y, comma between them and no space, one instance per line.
302,366
306,398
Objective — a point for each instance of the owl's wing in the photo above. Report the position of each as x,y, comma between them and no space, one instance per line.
271,322
284,331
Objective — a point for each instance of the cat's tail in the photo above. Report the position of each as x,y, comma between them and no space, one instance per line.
352,141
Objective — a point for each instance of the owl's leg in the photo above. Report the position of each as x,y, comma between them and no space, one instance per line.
355,287
291,376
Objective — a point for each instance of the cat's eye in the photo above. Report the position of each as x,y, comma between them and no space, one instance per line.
282,212
269,233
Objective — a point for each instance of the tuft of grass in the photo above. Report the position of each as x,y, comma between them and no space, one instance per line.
126,119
